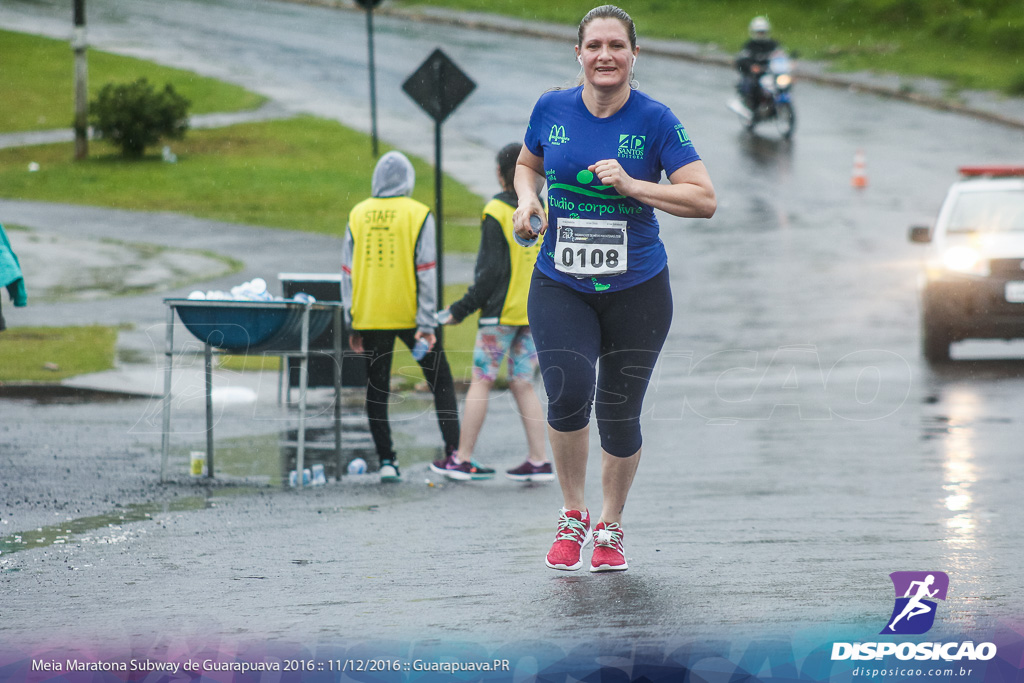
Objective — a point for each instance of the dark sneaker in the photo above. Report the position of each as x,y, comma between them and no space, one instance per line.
389,471
462,471
608,552
530,472
573,533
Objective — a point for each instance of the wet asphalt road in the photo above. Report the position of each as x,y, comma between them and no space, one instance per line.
797,449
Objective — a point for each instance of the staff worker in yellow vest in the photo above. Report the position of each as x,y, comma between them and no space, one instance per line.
500,289
389,291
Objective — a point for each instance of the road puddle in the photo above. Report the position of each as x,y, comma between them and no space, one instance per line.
101,529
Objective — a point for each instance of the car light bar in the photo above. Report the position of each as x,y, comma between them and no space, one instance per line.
994,171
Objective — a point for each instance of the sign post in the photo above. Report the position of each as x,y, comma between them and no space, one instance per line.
368,5
439,87
78,44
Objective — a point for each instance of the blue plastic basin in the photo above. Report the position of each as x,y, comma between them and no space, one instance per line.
248,326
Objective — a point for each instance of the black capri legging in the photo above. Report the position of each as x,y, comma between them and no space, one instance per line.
624,329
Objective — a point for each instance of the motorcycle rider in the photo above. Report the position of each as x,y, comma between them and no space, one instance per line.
753,59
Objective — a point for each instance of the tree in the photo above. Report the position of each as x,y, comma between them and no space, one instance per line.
134,116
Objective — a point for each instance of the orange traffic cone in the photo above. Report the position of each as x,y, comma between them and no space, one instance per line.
859,177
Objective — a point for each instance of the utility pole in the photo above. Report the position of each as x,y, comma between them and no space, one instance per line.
78,44
368,5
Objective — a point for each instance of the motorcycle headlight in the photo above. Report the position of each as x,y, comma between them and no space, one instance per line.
964,259
784,80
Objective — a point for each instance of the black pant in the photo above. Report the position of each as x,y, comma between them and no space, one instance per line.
380,345
625,329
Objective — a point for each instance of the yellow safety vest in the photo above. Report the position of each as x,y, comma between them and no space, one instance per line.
384,233
522,260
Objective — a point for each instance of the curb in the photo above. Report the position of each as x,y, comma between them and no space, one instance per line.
48,392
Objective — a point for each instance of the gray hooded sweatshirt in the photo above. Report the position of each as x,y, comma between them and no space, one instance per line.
394,176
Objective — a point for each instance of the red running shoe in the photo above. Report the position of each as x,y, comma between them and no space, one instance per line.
608,553
573,533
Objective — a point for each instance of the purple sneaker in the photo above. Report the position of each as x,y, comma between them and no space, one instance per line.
463,471
530,472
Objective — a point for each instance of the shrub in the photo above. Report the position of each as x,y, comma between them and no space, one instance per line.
1016,85
134,116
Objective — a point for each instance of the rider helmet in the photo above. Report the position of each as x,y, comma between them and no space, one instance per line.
759,27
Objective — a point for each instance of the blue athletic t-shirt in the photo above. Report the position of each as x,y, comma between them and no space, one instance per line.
644,136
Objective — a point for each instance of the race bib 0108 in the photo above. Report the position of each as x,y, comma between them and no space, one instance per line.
591,248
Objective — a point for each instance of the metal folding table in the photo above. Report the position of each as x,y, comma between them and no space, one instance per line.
279,328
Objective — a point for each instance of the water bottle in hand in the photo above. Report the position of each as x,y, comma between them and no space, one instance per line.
420,349
535,223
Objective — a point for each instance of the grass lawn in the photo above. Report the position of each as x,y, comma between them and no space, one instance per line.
302,174
51,354
970,43
38,74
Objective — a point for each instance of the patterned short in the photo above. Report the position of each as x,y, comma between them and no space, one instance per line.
495,342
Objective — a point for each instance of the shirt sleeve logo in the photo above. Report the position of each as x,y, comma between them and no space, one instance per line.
684,139
557,135
631,146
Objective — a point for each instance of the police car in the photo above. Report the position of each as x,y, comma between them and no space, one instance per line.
973,283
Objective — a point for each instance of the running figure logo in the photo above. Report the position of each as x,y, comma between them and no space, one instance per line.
914,611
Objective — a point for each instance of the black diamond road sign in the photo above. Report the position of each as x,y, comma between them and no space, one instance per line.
439,86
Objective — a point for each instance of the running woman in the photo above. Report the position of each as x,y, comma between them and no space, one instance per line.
600,290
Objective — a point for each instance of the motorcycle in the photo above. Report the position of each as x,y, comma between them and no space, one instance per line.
766,95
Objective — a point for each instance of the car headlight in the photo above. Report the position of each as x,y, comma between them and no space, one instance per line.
964,259
784,80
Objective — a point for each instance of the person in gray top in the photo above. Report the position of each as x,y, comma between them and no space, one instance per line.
389,291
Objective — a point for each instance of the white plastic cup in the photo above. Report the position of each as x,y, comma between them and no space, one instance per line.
319,478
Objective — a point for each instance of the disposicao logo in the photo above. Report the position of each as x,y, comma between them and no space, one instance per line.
913,614
916,593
